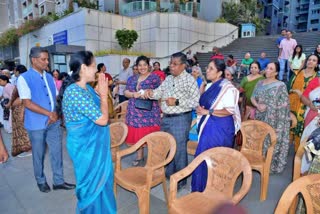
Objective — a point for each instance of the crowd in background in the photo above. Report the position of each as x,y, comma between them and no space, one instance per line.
36,104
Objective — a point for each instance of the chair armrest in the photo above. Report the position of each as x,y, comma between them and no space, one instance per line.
176,177
297,160
269,155
125,152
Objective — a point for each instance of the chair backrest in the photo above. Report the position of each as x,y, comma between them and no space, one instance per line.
309,187
118,133
254,133
120,109
225,165
161,148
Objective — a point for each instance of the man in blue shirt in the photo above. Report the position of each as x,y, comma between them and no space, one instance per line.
283,35
38,93
263,61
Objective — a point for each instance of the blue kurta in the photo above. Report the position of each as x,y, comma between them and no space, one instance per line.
88,145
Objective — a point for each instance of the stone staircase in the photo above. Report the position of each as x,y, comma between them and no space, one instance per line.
255,45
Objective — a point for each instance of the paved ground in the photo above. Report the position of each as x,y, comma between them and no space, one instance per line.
19,193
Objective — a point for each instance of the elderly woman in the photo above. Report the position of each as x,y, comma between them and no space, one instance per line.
218,111
88,136
20,139
140,119
271,100
196,73
299,83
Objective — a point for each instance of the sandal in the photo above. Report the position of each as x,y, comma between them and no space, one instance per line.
138,162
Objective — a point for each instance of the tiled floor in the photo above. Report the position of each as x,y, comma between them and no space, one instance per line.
19,193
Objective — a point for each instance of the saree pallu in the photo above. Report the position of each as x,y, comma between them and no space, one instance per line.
20,139
88,145
277,115
215,131
299,82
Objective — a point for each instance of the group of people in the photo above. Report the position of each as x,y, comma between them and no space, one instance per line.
155,102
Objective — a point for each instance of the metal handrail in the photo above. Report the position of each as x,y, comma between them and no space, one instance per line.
201,41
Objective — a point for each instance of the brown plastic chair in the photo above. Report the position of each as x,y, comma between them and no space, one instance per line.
309,187
119,112
192,145
253,134
161,150
297,171
118,132
225,165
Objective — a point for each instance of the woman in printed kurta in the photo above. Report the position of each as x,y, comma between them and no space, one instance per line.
271,99
88,136
140,121
297,87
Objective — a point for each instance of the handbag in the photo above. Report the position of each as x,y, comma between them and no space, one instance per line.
143,104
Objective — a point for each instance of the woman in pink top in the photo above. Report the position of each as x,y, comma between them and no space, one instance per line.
56,74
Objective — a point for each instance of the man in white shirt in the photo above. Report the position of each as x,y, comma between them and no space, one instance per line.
38,93
124,75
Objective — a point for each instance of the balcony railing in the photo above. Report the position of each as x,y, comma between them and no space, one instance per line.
141,7
27,10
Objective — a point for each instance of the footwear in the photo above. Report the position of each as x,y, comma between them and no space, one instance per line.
64,186
25,154
44,187
138,162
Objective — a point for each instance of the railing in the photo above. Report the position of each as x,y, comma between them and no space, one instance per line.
205,43
139,7
27,10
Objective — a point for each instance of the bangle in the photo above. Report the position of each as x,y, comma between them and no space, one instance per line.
211,111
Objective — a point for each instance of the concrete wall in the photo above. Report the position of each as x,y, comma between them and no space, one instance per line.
160,34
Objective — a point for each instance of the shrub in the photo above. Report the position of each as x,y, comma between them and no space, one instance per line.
126,38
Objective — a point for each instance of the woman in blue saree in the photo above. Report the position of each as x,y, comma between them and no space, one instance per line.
219,118
88,136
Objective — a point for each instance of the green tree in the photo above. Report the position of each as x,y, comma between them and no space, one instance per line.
245,12
9,37
126,38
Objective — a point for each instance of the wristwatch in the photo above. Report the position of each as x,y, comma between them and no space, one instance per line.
177,102
211,111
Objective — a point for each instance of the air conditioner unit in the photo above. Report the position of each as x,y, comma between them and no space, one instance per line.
50,40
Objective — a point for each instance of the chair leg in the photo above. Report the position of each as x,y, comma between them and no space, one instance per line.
264,183
144,201
165,189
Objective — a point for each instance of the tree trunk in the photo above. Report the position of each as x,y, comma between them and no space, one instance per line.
176,5
116,6
70,6
158,6
194,9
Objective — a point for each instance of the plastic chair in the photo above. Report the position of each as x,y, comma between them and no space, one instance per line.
309,187
297,171
254,133
161,150
119,112
225,165
192,145
118,132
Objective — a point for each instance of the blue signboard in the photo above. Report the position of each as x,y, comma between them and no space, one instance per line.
61,38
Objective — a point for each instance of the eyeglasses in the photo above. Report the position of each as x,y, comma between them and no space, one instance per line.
174,64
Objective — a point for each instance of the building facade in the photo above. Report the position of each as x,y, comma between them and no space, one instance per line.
294,15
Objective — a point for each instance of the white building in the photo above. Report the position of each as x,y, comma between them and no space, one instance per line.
160,34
